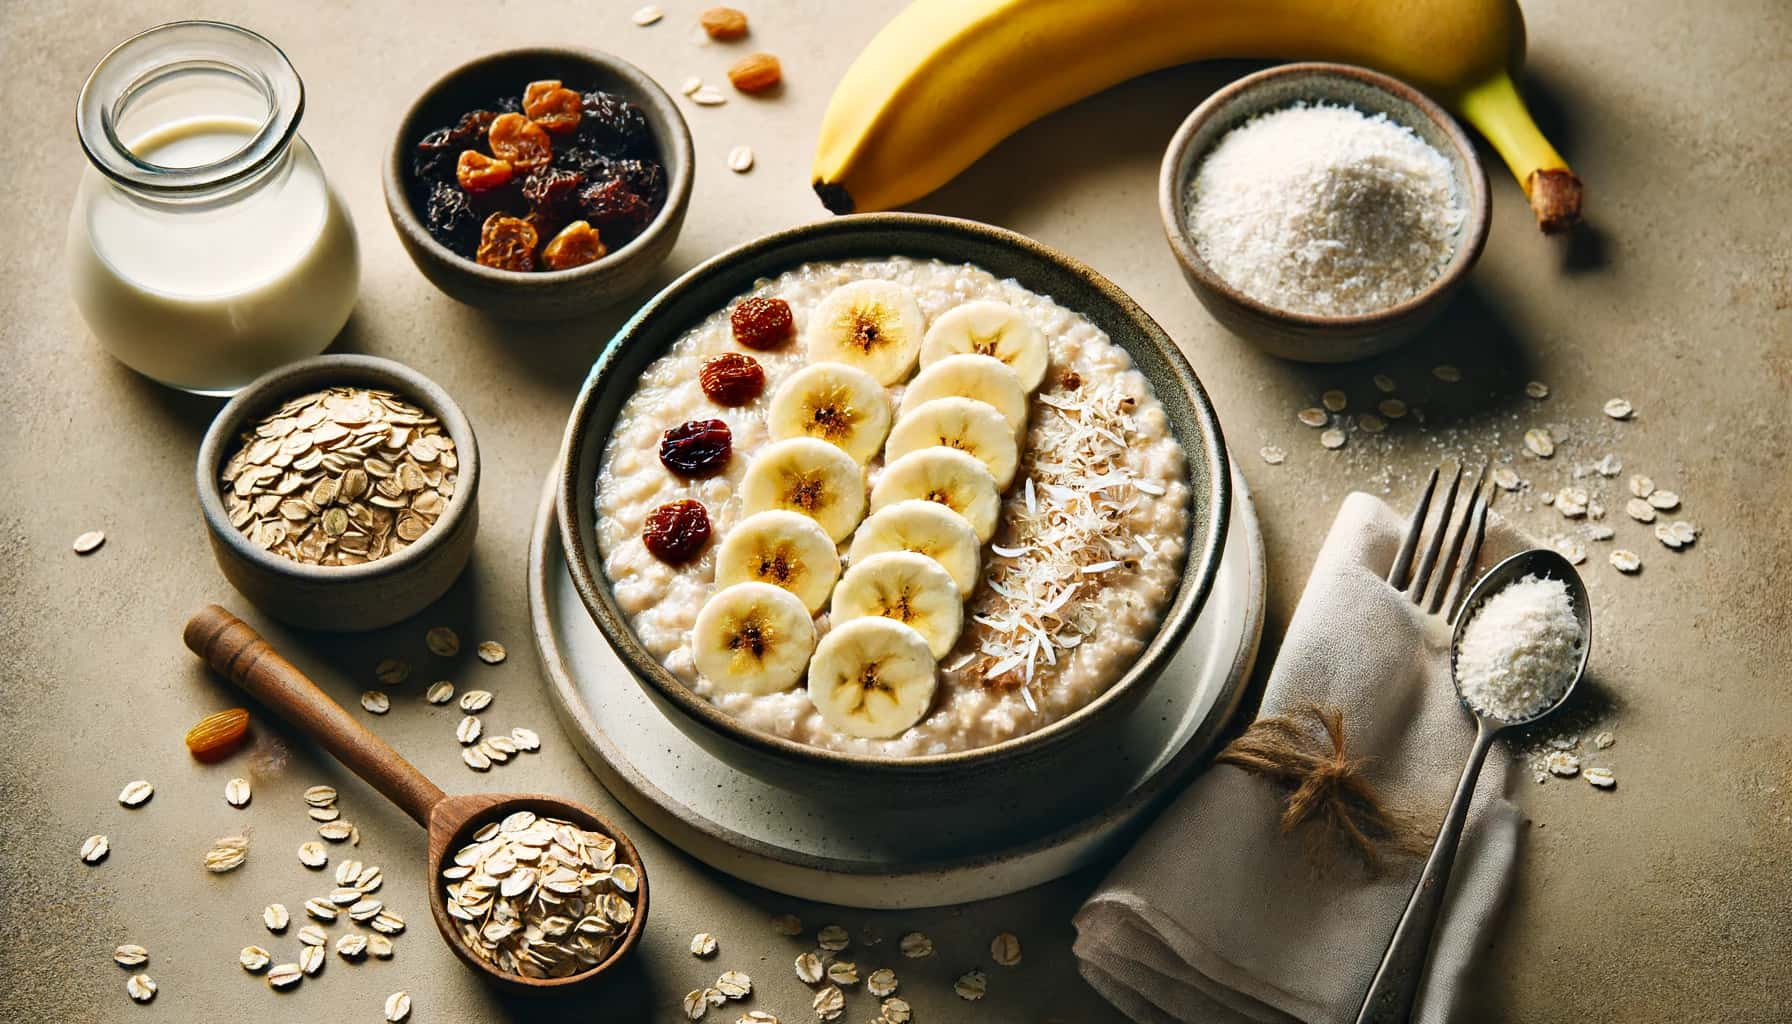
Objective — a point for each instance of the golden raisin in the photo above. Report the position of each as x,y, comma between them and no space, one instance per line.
724,24
761,323
576,245
477,172
732,379
218,734
521,141
537,89
756,72
557,110
507,243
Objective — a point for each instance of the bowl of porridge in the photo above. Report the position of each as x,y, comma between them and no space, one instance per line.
894,499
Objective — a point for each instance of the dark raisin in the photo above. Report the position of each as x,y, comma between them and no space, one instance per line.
645,178
614,125
697,448
587,161
614,210
732,379
451,217
509,105
762,323
553,192
471,127
676,531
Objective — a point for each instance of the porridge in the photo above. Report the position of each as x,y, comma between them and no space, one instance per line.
841,548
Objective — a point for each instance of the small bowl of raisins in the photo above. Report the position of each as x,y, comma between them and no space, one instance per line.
540,183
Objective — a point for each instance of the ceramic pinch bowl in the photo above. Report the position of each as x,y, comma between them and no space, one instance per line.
341,598
1060,751
551,294
1303,336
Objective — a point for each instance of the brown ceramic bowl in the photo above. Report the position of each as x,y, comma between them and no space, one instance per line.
1059,752
1302,336
348,598
551,294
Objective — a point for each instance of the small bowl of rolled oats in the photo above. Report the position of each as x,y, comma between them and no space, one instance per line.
340,492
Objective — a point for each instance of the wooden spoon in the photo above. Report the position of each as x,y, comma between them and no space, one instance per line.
235,651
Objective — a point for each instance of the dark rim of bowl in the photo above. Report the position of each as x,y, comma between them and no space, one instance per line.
1181,609
270,390
675,150
1173,187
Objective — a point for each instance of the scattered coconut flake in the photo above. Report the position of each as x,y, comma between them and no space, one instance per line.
1618,409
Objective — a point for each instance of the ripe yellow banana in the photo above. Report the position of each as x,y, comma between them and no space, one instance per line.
946,80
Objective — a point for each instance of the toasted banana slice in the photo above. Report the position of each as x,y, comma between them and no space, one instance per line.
842,405
992,329
970,426
911,588
969,375
873,325
802,474
926,528
872,677
752,638
782,548
947,476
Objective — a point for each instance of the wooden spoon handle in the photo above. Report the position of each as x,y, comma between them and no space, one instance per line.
235,651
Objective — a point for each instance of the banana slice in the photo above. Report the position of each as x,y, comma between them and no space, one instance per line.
784,549
873,325
872,677
752,638
969,375
911,588
840,404
992,329
970,426
926,528
947,476
802,474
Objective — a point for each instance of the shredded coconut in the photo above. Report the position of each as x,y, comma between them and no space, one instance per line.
1519,653
1325,210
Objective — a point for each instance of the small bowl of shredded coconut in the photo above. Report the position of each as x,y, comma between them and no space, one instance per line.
1325,212
1522,641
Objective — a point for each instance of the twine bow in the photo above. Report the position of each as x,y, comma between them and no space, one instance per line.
1325,786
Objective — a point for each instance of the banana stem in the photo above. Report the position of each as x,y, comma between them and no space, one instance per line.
1497,110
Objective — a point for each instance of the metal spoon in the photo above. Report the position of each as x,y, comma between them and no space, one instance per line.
235,651
1395,988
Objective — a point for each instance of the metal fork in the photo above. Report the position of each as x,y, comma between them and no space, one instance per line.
1458,563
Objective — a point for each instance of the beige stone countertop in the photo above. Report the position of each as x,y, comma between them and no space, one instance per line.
1666,899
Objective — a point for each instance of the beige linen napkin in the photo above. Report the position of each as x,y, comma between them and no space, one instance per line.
1216,916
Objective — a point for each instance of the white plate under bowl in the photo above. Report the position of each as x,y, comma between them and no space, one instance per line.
807,848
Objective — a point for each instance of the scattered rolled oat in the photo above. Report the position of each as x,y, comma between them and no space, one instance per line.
392,671
1664,532
703,944
1272,454
648,15
1618,409
398,1007
1334,400
1640,510
971,985
1384,383
1571,502
439,692
136,793
475,700
387,923
740,159
375,702
1604,741
379,946
130,955
1392,408
787,924
526,740
1684,531
1641,486
476,759
336,831
695,1006
829,1003
1599,532
1370,423
1626,561
756,1017
491,652
1540,442
843,972
916,946
313,855
1560,762
311,959
808,968
734,985
1601,777
236,792
284,976
227,854
468,731
1608,466
323,910
1333,439
1004,949
89,542
1506,478
351,946
709,96
442,642
1571,549
833,938
1537,389
1446,373
897,1011
691,85
254,959
320,796
1667,501
1313,417
881,983
274,915
142,987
